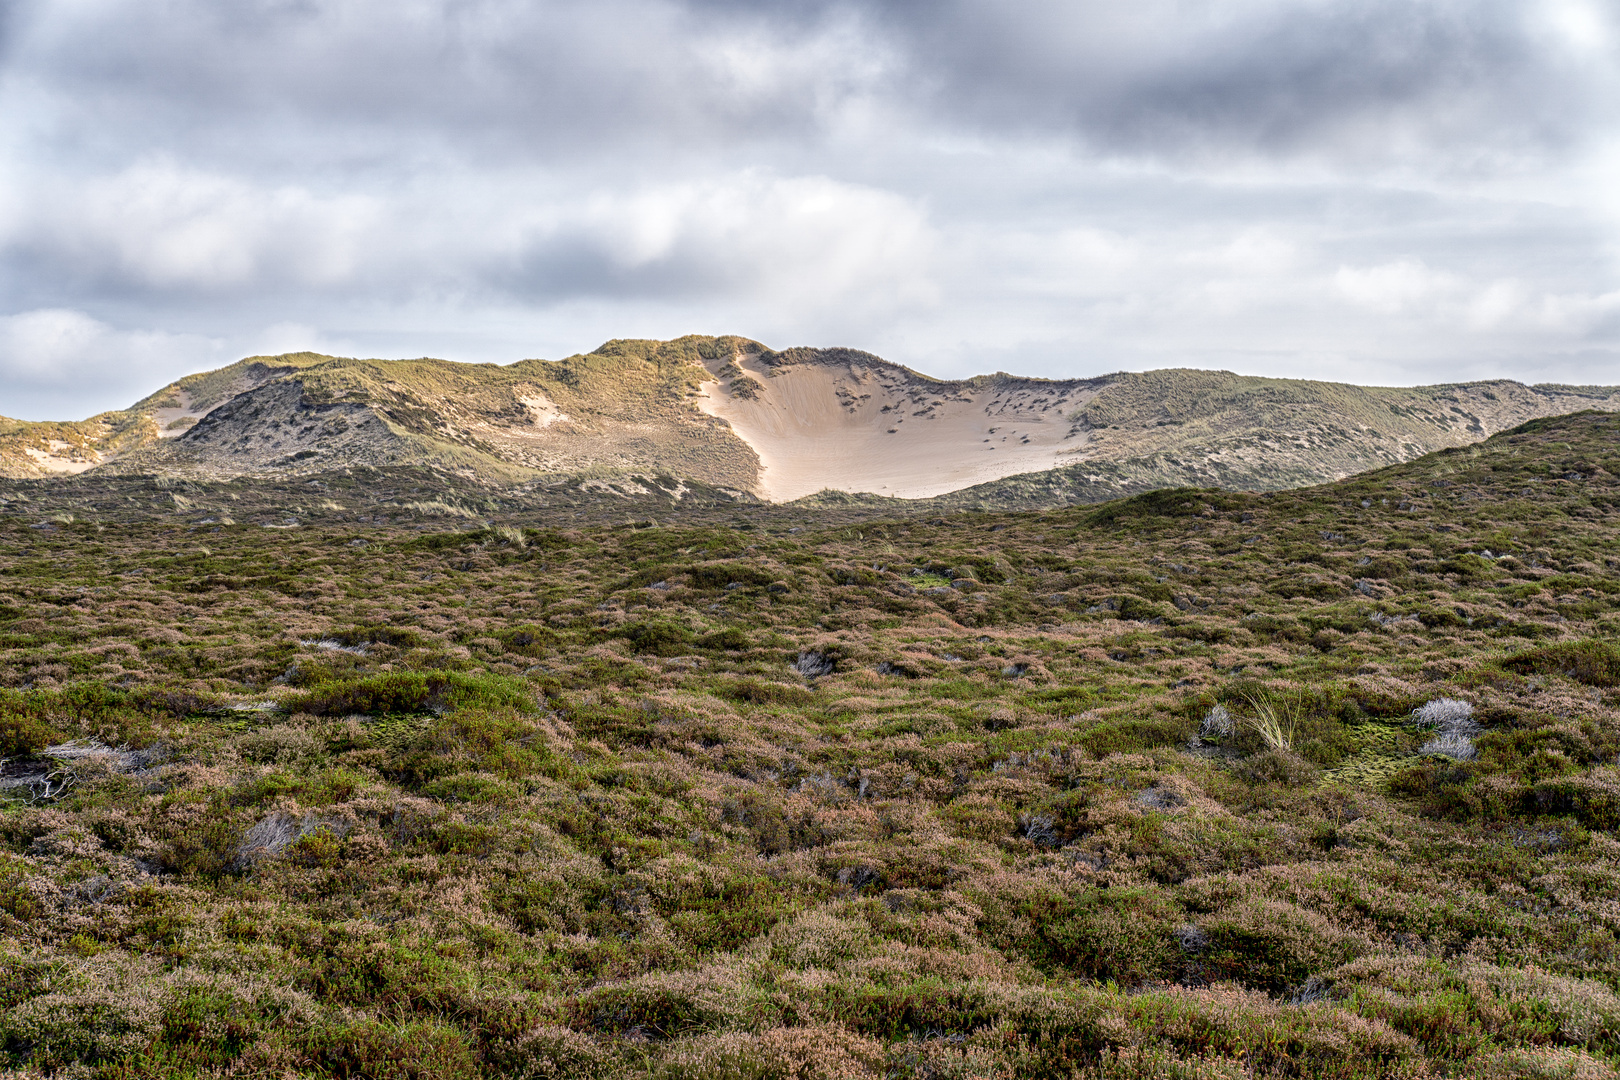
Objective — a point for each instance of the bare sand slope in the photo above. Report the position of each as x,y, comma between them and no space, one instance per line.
174,420
885,430
63,457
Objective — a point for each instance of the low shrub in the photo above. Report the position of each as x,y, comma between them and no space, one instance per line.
731,639
497,741
1592,662
206,1028
96,1027
401,637
664,1005
719,575
1272,945
23,735
760,692
412,692
722,912
656,637
1123,935
1168,503
528,639
373,1050
1133,608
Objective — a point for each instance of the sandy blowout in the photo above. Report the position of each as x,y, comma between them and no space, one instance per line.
883,430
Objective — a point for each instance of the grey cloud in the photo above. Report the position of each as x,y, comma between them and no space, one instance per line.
1361,189
1359,80
496,77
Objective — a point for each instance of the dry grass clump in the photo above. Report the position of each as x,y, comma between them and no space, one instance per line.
1275,722
1455,728
540,817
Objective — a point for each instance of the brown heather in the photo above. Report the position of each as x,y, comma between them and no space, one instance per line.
560,794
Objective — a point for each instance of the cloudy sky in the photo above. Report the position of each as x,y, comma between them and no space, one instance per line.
1377,191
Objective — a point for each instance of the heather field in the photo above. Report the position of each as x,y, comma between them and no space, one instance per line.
1316,783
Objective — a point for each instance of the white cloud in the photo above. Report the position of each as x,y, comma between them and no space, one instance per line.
57,363
161,225
1395,287
802,244
1351,189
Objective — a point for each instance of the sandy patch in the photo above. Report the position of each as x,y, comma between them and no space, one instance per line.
63,457
543,412
881,429
176,421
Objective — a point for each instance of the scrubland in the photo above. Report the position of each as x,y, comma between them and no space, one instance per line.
1321,783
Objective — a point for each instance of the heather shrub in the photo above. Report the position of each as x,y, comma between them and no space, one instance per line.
819,938
1117,935
822,1052
666,1005
359,636
209,1026
28,976
1542,1063
710,909
1268,1037
1133,734
1593,662
1593,798
978,817
858,820
31,720
413,692
657,637
760,692
555,1052
1156,1063
901,1007
283,746
720,575
107,1017
1270,944
382,1051
1460,1007
23,735
528,639
199,839
1278,767
731,639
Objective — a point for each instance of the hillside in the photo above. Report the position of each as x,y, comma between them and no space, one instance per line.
1308,783
735,415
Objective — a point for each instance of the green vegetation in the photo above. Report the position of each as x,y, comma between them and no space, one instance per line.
1319,783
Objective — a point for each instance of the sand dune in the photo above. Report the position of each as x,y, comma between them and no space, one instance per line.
63,457
888,431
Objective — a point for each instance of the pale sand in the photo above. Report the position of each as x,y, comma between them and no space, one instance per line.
542,410
63,457
817,426
168,420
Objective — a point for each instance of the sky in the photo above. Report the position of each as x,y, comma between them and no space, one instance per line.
1385,192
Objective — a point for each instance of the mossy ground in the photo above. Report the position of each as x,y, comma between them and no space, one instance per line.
556,798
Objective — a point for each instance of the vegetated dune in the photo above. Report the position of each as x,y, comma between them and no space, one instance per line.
732,414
